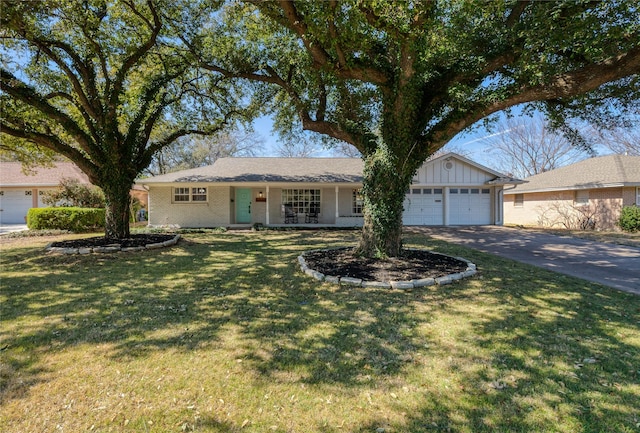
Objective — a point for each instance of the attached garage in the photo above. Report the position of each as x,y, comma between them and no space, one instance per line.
20,190
423,207
14,205
470,206
453,190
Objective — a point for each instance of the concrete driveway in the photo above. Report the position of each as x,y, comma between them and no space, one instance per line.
612,265
8,228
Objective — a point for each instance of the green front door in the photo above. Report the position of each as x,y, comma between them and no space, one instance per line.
243,205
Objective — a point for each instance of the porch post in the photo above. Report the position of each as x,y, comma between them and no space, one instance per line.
337,203
267,203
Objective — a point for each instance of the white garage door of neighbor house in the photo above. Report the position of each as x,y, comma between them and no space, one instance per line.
14,204
469,206
423,207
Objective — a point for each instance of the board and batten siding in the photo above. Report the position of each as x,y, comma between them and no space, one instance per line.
460,173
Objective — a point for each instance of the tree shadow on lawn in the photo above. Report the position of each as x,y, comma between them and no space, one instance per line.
517,360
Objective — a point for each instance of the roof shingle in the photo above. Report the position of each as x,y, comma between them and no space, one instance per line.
600,172
300,170
11,174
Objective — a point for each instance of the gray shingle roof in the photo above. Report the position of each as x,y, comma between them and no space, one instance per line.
600,172
299,170
11,174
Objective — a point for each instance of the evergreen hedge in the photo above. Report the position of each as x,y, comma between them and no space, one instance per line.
630,218
75,219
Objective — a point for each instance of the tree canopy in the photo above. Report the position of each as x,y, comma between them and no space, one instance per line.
105,84
398,80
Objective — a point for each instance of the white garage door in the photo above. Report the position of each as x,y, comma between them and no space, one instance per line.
14,205
423,207
469,206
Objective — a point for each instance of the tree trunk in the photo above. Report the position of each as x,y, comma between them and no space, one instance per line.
117,210
384,188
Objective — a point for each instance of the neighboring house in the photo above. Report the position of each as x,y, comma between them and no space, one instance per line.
587,194
20,191
449,190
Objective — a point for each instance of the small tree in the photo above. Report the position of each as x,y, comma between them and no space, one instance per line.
630,218
72,193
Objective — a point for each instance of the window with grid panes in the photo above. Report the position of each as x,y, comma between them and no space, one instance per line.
181,194
301,200
358,202
199,194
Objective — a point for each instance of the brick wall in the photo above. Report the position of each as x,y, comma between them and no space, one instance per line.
214,213
559,209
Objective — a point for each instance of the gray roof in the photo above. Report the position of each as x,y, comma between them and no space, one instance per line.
250,170
600,172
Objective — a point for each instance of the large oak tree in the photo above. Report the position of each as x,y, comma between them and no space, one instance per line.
103,83
399,79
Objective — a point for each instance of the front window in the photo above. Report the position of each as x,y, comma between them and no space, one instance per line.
357,202
198,194
188,195
638,196
301,200
518,200
582,198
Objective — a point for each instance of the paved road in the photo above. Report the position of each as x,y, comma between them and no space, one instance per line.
612,265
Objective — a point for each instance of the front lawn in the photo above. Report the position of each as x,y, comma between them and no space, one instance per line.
222,333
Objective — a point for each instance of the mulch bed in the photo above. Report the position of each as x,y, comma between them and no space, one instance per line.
138,240
412,265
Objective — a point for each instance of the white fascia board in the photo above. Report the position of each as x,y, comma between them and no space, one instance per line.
570,188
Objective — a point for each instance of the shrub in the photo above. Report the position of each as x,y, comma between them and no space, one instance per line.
630,218
75,194
74,219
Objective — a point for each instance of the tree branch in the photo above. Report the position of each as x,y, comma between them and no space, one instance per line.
563,87
320,56
19,90
53,143
516,12
85,72
135,56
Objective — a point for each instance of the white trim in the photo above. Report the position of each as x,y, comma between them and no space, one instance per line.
190,194
570,188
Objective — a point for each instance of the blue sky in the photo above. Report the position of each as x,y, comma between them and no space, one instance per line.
472,142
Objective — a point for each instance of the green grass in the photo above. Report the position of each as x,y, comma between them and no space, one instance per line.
222,333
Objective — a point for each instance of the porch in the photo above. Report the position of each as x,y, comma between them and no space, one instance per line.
302,206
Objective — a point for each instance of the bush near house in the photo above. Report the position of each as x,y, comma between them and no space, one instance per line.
65,218
73,193
630,218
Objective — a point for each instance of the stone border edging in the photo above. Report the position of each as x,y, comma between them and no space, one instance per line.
111,248
403,285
